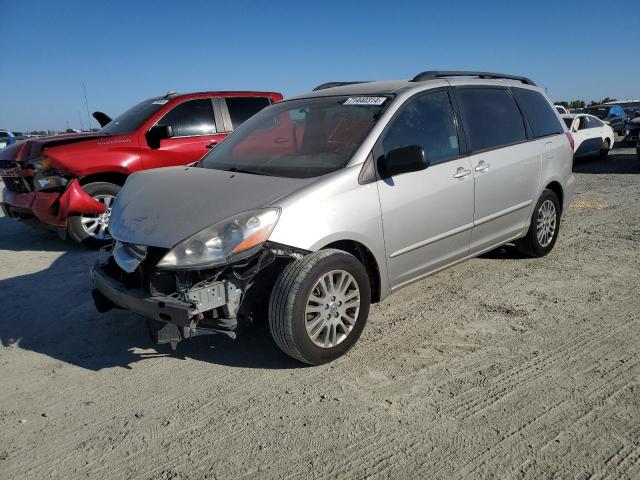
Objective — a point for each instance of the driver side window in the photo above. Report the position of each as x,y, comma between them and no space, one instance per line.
194,117
427,121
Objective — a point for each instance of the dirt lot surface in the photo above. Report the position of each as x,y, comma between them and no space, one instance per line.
501,367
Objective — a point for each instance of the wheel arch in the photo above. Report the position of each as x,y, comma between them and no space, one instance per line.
367,258
117,178
556,188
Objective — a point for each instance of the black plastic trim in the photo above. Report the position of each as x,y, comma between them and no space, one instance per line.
437,74
164,309
326,85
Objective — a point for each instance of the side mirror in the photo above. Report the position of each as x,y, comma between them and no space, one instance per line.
404,160
157,133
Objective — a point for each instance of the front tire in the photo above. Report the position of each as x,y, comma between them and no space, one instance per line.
319,306
604,148
93,230
544,227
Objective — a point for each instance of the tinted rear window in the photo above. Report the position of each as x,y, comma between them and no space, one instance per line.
541,117
491,117
568,122
243,108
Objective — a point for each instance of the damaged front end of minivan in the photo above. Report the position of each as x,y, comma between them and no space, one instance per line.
187,302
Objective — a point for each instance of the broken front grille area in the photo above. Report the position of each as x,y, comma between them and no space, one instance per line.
18,184
146,277
13,183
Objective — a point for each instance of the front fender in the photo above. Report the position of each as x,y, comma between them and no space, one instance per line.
76,200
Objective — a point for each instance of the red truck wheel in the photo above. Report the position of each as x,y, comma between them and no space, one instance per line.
91,229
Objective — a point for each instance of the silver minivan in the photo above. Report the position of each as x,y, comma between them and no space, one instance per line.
322,204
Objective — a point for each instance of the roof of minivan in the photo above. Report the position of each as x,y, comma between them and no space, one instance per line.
398,86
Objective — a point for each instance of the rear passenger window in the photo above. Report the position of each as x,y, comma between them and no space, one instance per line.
243,108
593,122
491,117
426,121
541,117
194,117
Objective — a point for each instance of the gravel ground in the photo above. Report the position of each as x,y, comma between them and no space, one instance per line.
501,367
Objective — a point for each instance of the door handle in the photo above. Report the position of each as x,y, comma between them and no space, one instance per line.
461,173
212,144
482,167
281,140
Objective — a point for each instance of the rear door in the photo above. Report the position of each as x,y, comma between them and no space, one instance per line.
195,131
427,215
506,166
587,138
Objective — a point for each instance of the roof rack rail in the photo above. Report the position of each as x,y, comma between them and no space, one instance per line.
338,84
434,74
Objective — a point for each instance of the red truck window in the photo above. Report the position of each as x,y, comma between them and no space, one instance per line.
242,108
194,117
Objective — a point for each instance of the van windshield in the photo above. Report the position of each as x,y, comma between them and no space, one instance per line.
299,138
134,117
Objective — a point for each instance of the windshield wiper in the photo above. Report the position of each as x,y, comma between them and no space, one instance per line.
242,170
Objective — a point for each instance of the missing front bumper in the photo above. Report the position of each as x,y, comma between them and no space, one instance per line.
108,292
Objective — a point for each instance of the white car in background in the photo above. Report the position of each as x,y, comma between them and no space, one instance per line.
561,109
592,137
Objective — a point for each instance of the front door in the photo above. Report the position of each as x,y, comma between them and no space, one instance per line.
194,133
427,215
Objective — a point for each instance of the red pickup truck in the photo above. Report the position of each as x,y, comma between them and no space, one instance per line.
67,182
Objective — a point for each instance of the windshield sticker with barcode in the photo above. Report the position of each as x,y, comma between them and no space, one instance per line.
159,102
365,101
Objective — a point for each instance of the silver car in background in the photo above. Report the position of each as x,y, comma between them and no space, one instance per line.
322,204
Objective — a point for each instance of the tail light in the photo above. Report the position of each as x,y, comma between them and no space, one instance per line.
571,141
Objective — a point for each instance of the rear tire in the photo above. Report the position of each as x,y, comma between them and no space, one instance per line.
543,228
91,230
319,306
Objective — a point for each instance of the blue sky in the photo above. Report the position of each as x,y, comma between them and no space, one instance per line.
125,51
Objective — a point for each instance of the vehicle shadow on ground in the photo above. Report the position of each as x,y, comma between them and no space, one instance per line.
505,252
14,232
622,161
51,312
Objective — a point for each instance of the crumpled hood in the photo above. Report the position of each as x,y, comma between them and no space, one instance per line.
161,207
31,148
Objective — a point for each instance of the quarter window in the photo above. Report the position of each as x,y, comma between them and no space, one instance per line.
243,108
491,117
194,117
542,119
427,121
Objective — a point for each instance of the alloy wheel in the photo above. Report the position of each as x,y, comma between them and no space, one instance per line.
546,225
332,308
97,226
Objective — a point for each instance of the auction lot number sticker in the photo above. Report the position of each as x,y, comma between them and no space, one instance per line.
364,101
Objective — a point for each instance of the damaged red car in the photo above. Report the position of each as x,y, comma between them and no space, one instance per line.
68,182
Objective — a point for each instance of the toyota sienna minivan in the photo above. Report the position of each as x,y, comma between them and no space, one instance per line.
320,205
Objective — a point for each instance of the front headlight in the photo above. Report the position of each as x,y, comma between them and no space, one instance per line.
47,178
42,165
229,240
